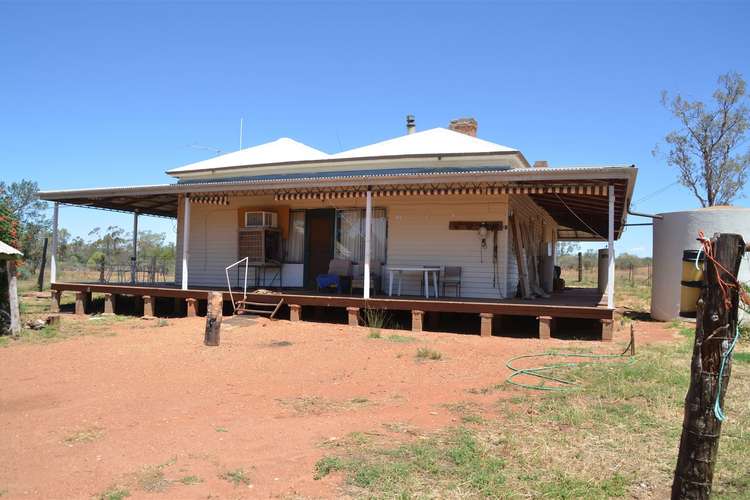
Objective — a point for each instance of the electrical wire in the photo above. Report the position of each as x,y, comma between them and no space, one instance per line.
576,216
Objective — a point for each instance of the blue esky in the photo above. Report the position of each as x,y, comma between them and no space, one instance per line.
109,94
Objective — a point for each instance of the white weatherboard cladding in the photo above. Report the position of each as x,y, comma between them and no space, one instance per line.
676,232
418,235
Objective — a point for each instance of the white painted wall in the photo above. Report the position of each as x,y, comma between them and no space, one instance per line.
418,235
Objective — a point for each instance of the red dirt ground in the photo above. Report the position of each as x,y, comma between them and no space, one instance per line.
153,395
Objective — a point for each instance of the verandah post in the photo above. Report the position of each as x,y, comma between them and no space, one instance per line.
53,250
715,330
185,240
368,243
611,250
134,258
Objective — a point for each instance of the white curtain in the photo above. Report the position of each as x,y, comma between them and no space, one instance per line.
350,235
295,244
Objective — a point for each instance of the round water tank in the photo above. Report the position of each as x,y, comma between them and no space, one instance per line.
676,232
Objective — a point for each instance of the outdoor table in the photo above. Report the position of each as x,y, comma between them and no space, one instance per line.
435,271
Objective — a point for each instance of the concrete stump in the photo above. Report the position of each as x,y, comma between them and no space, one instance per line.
607,330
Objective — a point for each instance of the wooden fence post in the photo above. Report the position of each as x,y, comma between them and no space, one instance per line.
42,265
715,328
580,267
213,318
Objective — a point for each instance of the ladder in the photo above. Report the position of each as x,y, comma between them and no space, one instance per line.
245,306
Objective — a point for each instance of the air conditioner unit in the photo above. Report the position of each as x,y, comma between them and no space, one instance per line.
258,220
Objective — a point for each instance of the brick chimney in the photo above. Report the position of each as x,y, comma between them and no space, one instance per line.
541,164
466,126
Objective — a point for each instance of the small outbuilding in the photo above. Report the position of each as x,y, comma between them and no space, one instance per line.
675,232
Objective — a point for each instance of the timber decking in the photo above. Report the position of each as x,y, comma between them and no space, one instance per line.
581,303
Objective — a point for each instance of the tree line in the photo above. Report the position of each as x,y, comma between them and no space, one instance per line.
25,224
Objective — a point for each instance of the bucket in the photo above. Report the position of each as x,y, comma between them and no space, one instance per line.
692,282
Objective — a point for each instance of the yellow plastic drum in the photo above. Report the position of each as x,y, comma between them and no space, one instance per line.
692,281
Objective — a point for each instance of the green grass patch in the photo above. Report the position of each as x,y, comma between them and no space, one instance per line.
455,461
190,480
424,353
114,493
236,477
401,339
741,357
374,334
221,429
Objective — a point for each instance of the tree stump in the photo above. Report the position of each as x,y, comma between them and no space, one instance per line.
213,318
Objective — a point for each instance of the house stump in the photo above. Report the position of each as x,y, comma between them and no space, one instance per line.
353,315
148,306
417,318
486,327
545,327
295,312
192,307
55,306
607,330
109,303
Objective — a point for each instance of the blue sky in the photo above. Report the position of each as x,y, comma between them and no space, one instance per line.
111,94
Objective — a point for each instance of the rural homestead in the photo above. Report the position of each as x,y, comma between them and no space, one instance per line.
431,222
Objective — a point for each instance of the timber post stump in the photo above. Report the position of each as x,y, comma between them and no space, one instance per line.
148,306
55,306
486,324
109,304
215,305
192,307
295,312
545,327
417,318
353,315
607,329
715,330
81,303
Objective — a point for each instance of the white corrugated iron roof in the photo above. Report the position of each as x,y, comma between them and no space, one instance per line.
435,141
282,150
7,251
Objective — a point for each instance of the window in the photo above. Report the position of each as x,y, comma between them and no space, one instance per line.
350,235
295,243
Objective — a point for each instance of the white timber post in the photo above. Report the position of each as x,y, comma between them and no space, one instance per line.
53,251
185,241
134,258
611,250
368,243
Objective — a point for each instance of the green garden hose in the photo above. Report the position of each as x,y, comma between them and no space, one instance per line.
561,383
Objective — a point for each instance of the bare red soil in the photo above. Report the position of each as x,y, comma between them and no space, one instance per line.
86,413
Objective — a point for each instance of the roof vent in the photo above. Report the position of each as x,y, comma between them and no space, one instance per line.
541,164
466,126
410,125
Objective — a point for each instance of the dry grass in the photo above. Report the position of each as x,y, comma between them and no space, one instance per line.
87,435
615,437
316,405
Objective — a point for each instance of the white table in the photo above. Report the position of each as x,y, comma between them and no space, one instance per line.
435,271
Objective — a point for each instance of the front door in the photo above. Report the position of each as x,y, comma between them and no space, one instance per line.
319,228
